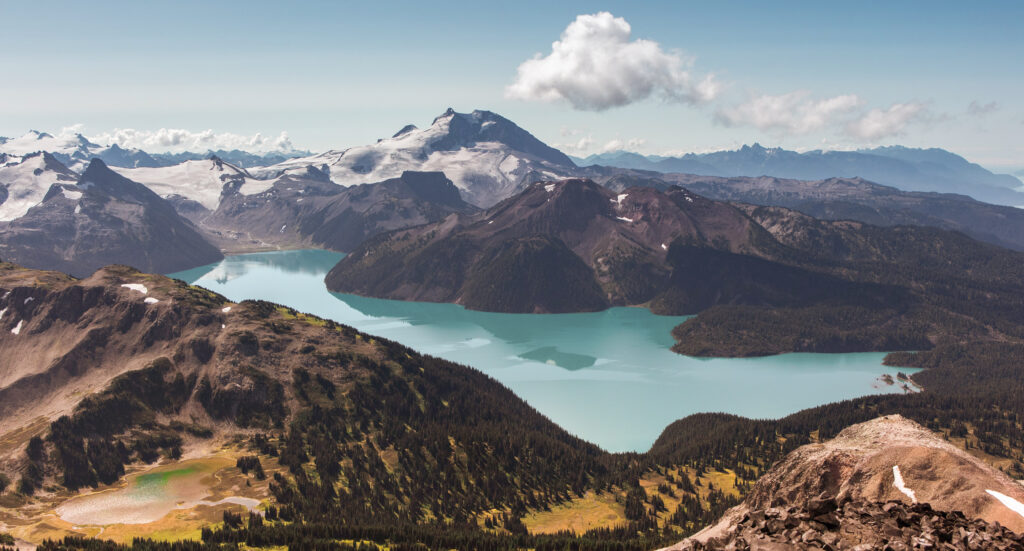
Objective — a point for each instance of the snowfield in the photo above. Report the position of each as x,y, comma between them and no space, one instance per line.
485,169
201,181
27,183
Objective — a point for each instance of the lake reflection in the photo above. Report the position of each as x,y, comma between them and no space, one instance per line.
609,377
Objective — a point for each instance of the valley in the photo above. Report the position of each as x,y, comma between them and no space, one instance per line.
563,364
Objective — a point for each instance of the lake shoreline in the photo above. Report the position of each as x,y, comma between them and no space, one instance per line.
559,363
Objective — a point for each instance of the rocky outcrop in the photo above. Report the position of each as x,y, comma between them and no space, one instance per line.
839,488
859,526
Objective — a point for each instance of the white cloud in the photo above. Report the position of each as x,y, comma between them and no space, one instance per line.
877,123
792,113
631,144
595,66
579,146
178,140
978,109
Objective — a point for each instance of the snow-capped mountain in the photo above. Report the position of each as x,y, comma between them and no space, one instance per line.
101,218
486,155
202,181
75,151
25,181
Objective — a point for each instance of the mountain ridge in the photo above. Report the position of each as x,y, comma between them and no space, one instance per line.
679,253
901,167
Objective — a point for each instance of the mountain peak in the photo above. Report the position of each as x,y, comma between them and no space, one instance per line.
405,130
448,113
96,166
457,130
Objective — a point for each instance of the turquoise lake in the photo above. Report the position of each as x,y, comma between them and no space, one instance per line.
609,377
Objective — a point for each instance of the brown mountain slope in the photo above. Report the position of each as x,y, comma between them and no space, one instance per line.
869,462
675,250
868,202
309,210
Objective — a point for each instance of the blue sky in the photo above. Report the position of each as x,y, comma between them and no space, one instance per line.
334,74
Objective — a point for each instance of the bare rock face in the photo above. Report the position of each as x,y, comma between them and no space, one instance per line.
859,526
888,460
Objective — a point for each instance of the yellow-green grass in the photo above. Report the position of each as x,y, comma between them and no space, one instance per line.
593,510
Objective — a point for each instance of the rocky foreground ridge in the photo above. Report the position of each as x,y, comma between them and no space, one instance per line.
860,525
884,484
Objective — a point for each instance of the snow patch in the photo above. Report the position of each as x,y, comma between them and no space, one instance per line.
225,309
17,328
78,209
202,181
897,480
663,247
151,300
73,195
549,188
136,287
282,228
690,199
1009,502
27,183
28,300
624,219
2,312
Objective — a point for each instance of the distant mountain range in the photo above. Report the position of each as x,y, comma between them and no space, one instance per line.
240,201
900,167
166,219
859,199
76,152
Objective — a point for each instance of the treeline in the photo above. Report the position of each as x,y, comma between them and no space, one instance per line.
92,446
